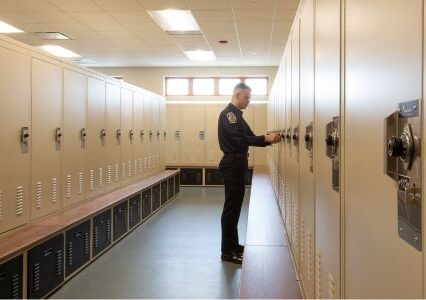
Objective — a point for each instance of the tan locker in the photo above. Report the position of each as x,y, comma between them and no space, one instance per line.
163,132
74,141
127,137
192,142
259,154
287,151
155,124
307,200
15,89
173,135
383,69
248,117
213,153
295,100
112,139
96,138
138,116
327,106
148,135
46,138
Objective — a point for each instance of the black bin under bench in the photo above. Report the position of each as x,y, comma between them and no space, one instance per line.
177,184
191,176
146,204
45,267
11,279
77,243
163,192
170,188
156,197
214,177
120,220
135,210
101,232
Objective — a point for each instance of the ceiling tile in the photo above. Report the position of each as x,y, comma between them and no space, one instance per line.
22,18
130,16
279,37
76,5
192,42
30,5
141,26
156,33
91,17
216,26
220,35
106,26
33,27
263,25
208,4
68,27
117,35
163,4
159,42
253,15
287,4
282,25
53,17
255,5
7,9
213,16
255,33
120,5
86,35
285,15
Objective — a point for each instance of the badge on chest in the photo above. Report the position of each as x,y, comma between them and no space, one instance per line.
232,118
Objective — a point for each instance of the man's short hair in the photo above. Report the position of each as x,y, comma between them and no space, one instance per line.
242,86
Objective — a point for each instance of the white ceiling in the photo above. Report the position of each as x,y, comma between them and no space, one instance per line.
113,33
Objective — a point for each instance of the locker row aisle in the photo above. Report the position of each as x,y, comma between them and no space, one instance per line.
348,101
69,134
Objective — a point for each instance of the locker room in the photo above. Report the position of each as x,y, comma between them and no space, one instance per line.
112,165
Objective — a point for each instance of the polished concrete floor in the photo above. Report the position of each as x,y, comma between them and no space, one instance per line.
175,254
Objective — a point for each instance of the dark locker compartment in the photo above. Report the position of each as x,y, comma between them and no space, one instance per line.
163,192
214,177
191,176
101,232
249,176
177,184
77,243
156,197
171,187
135,210
146,204
45,267
120,220
11,279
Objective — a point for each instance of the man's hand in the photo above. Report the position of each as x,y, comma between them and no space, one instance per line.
273,138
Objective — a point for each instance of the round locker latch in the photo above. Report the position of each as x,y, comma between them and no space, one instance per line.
403,146
295,136
395,147
329,140
308,138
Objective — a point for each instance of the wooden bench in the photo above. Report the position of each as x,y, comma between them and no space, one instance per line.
16,248
267,271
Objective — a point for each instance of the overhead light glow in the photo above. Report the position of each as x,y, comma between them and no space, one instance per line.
172,20
53,36
59,51
6,28
200,55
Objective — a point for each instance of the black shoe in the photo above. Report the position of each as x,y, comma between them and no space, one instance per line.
232,257
240,250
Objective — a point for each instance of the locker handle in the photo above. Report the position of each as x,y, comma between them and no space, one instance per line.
25,134
158,133
142,133
48,252
165,133
83,134
3,276
58,135
150,133
118,133
131,133
103,133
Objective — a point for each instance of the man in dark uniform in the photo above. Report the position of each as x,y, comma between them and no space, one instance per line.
235,136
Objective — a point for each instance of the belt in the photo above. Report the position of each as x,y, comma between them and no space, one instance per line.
237,155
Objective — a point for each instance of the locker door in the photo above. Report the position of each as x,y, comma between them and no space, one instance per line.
163,132
259,154
173,135
295,65
46,142
213,153
112,140
138,117
127,137
307,200
148,135
155,113
287,151
327,106
248,117
74,145
96,138
15,161
192,135
384,68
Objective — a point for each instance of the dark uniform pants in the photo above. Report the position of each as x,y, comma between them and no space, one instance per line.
234,171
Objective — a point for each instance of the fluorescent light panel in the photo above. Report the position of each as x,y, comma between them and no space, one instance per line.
6,28
200,55
53,36
175,21
59,51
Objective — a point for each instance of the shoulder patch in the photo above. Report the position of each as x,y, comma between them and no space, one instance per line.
232,118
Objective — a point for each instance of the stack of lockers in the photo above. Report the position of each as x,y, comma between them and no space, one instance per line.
347,100
69,134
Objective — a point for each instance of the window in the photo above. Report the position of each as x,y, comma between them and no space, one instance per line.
226,85
259,86
177,86
203,86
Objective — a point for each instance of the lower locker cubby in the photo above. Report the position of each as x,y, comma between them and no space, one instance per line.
146,204
135,210
177,184
163,192
156,197
101,232
45,267
11,279
213,177
170,188
120,220
77,243
191,176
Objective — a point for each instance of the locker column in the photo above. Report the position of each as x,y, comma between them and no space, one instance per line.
138,119
173,135
127,137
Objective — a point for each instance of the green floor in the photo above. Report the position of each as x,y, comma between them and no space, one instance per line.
175,254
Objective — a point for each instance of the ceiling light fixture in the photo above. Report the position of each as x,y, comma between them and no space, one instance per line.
6,28
59,51
175,22
200,55
53,36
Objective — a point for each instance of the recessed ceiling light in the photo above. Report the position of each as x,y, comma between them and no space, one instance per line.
175,21
59,51
200,55
53,36
6,28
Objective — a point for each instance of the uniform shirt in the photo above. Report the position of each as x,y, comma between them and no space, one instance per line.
235,135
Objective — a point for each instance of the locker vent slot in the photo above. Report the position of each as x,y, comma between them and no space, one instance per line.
140,165
96,236
117,175
92,180
36,277
318,275
69,254
331,286
80,183
123,170
19,201
101,177
108,229
109,175
136,167
15,286
59,262
309,250
145,163
39,186
86,243
130,168
54,190
302,241
68,194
